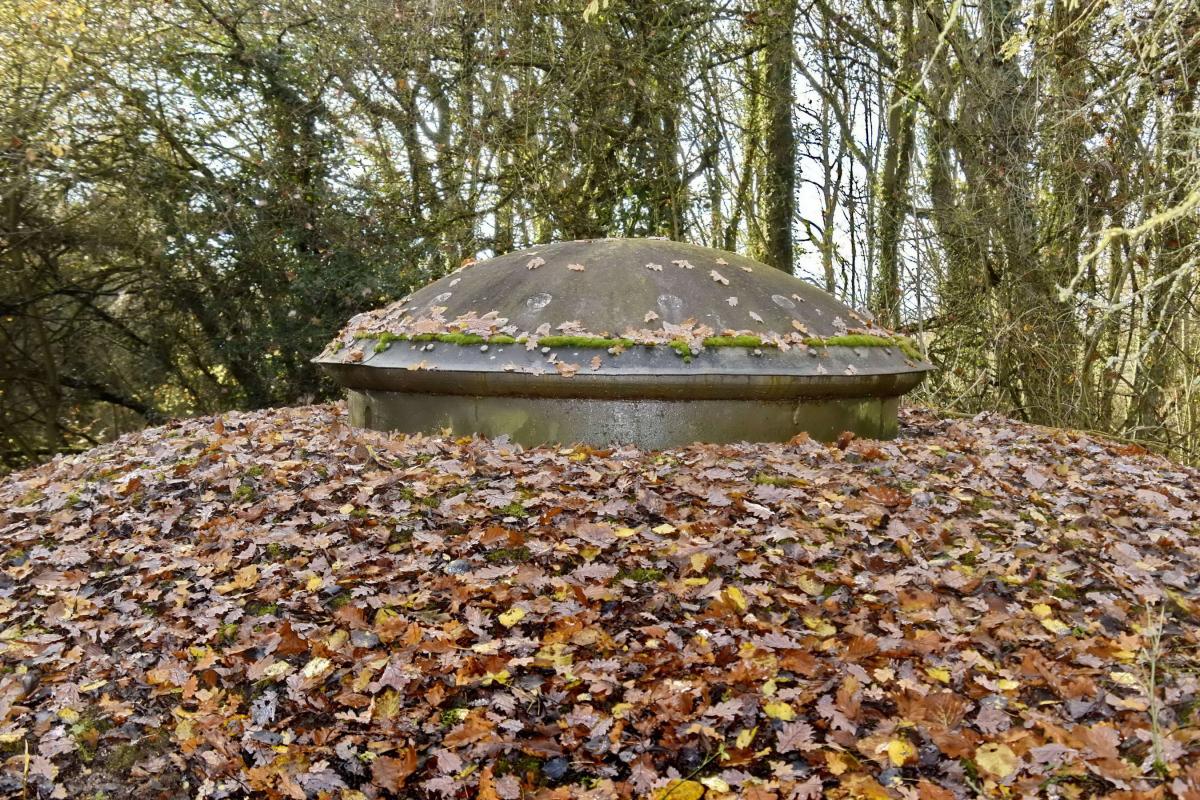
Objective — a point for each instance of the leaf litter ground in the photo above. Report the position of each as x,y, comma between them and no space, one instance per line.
274,604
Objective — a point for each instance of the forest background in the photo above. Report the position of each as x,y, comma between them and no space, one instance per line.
195,195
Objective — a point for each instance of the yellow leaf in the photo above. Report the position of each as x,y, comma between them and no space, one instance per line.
68,715
1123,678
87,687
715,783
938,674
900,751
244,578
277,670
745,738
1054,626
810,585
735,596
624,533
184,729
347,509
699,562
862,787
820,627
780,710
1007,684
553,655
317,667
314,583
664,529
1041,610
512,616
837,762
998,759
364,676
12,736
681,790
502,677
387,705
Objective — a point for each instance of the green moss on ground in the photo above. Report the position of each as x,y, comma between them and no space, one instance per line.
763,479
507,555
641,575
86,731
514,509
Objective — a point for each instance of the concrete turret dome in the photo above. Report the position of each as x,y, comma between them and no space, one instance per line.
647,342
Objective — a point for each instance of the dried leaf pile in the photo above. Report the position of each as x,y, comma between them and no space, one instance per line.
274,604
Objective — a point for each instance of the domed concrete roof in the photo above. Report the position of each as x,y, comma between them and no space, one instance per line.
630,320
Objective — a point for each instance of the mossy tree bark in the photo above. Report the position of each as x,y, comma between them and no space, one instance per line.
893,188
778,18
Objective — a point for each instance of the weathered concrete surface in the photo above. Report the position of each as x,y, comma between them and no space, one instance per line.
616,289
647,424
445,362
647,396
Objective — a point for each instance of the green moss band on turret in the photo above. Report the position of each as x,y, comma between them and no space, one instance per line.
598,342
384,340
902,343
733,341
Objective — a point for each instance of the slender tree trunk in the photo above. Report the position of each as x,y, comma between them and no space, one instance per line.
897,161
779,189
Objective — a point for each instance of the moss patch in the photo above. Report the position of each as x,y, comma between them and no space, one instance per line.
514,509
902,343
86,732
764,479
507,555
641,575
733,341
384,340
598,342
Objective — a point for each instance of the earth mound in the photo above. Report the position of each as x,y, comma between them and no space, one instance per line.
274,604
